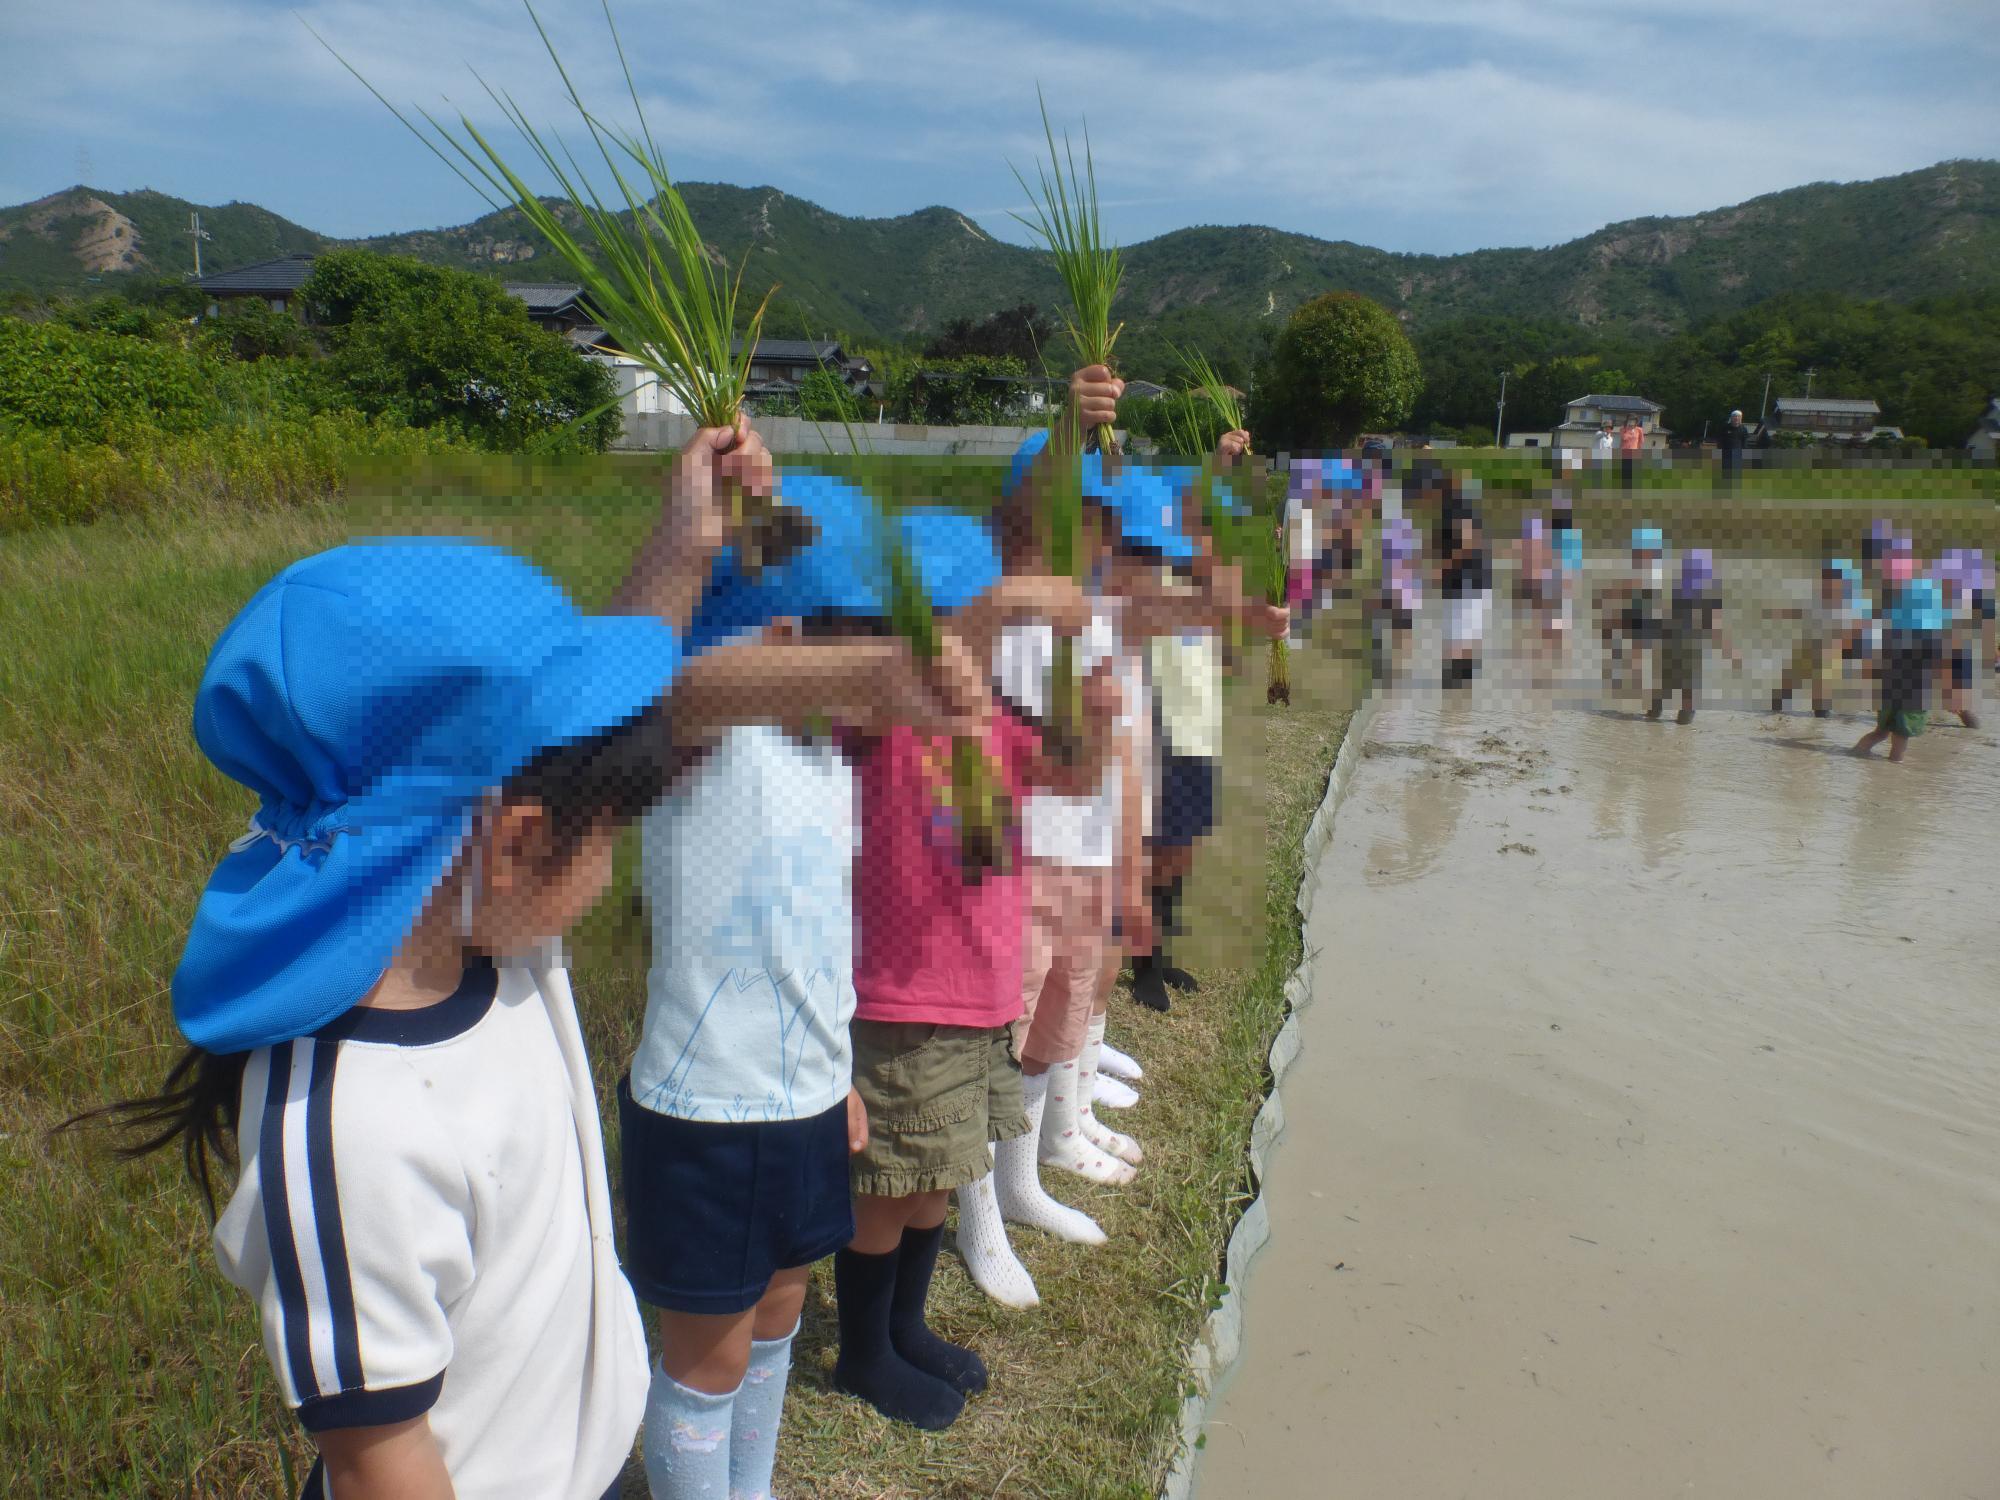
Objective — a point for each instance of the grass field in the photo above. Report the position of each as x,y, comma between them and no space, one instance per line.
128,1368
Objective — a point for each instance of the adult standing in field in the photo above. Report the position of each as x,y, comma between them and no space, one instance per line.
1735,436
1605,447
1630,441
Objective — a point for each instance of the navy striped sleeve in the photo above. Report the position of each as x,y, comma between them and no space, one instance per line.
360,1408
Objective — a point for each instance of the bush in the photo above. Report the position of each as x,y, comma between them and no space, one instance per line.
431,347
282,460
84,386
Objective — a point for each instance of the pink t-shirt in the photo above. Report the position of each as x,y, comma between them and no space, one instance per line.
1631,439
927,946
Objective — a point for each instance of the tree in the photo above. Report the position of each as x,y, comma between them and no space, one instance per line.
1019,332
437,347
1342,366
824,397
973,389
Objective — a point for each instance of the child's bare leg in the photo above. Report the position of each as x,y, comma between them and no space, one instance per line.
777,1311
1898,743
1867,743
706,1352
879,1222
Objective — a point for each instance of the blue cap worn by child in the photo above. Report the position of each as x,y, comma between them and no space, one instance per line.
371,696
1648,539
1919,606
1144,502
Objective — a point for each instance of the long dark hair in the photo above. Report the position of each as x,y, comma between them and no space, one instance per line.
611,777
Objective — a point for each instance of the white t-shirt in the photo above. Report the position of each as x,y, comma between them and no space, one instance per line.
1299,530
1080,831
748,867
423,1219
1605,442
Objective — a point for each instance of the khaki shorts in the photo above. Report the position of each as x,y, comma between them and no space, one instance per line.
1069,921
935,1095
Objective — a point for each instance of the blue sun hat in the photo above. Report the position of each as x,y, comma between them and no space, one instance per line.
1919,606
828,576
954,554
1648,539
372,696
1144,502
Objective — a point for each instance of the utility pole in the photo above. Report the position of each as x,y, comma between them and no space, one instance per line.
197,234
1809,376
1501,414
1764,410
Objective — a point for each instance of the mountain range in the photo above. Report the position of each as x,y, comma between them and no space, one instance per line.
1925,233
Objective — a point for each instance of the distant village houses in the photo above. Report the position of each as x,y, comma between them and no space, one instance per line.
275,283
1829,419
1585,416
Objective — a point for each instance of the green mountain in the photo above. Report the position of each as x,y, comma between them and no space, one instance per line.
1927,233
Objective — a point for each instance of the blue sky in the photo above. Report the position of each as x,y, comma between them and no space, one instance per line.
1431,125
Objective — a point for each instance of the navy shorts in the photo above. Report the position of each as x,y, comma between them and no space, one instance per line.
1961,667
713,1210
1187,799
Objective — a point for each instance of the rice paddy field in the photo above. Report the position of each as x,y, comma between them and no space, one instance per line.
129,1368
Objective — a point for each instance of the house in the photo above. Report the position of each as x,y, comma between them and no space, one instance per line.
1586,414
1528,439
553,305
275,282
1145,390
1985,442
1826,419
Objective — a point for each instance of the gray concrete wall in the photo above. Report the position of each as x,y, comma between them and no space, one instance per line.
649,433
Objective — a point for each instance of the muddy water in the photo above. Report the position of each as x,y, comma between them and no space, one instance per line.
1646,1137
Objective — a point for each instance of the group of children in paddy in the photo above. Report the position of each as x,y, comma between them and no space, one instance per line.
845,1028
1919,632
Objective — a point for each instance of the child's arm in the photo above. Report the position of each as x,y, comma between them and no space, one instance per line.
1134,909
399,1461
867,685
1101,702
671,567
1017,597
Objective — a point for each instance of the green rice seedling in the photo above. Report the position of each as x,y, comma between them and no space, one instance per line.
1066,220
652,284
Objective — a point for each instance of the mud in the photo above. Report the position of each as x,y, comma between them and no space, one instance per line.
1646,1136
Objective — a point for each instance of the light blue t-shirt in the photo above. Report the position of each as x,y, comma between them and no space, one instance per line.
1569,549
748,869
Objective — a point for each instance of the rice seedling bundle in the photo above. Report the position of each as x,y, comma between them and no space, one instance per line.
652,286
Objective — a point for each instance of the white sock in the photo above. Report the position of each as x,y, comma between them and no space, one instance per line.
982,1239
1117,1064
1017,1179
1095,1131
1063,1142
687,1440
1109,1092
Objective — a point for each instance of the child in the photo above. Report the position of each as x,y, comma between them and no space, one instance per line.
937,975
1569,565
1633,631
1968,601
1831,625
737,1117
1302,529
1912,651
1694,620
1466,581
444,750
1398,599
1538,589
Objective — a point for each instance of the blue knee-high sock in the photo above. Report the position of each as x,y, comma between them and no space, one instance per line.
760,1407
687,1441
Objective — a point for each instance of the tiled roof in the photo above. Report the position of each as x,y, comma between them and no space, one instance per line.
1635,404
544,296
284,274
1828,404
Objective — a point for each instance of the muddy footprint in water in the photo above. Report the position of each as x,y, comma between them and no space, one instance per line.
1517,848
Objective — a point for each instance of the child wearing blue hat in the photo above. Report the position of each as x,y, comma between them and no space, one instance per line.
1630,632
381,1030
1913,651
